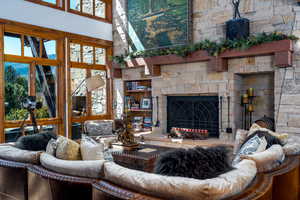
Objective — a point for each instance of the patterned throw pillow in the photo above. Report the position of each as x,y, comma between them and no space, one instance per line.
67,149
90,149
253,145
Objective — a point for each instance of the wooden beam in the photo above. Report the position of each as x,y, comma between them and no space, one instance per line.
218,64
282,50
2,78
268,48
61,87
109,85
116,73
283,59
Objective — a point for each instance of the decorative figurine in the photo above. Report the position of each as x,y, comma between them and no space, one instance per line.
125,137
236,4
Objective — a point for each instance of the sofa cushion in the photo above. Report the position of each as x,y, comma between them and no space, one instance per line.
240,138
90,149
90,169
67,149
15,154
223,186
268,159
292,147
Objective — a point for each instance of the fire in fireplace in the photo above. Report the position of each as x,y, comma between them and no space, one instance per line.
194,112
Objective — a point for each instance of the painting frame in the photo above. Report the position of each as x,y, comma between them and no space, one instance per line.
146,103
189,29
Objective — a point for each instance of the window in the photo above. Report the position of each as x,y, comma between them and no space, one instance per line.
87,61
60,4
91,8
96,9
31,68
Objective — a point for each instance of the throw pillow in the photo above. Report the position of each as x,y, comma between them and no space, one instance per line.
35,142
252,145
271,140
198,163
281,136
51,147
90,149
67,149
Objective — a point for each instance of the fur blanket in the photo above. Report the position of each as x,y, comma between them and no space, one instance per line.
198,163
35,142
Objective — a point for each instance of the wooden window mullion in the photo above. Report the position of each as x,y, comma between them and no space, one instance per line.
94,55
94,7
81,6
2,87
22,45
41,48
89,95
32,77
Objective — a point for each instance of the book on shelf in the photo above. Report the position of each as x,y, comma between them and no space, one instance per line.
133,85
148,120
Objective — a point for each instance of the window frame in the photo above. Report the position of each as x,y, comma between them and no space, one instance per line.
89,68
32,61
56,6
108,11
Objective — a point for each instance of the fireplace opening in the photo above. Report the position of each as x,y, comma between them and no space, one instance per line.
194,112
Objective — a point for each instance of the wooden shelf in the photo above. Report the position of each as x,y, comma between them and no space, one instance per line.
137,91
133,98
139,110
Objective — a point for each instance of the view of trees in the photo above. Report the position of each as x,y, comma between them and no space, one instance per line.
16,90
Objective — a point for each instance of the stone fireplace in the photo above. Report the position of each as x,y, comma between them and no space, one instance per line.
198,80
277,89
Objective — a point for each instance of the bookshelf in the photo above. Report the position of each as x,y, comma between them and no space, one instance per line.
138,105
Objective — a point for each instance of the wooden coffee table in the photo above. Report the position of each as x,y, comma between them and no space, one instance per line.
142,158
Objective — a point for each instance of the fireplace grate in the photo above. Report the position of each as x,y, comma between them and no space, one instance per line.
195,112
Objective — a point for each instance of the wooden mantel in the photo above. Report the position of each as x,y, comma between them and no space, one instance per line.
282,51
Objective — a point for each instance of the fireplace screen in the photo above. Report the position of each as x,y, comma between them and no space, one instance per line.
194,112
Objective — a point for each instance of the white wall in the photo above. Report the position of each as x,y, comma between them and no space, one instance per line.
35,14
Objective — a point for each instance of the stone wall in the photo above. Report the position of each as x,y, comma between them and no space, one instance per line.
209,17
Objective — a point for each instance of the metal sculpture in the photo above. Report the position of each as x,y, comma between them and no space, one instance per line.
236,4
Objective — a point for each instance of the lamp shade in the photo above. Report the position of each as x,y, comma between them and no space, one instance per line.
94,82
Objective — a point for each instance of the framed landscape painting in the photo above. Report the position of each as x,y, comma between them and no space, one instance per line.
156,24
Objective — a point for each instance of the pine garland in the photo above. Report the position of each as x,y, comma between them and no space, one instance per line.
213,48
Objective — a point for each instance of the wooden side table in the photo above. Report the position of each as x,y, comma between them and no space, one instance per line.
142,158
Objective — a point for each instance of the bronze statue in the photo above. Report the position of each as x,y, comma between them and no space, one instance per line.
236,4
123,134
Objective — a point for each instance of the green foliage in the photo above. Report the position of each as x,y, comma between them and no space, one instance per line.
17,114
42,113
16,89
213,48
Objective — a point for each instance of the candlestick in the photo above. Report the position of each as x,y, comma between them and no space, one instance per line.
250,92
245,99
250,108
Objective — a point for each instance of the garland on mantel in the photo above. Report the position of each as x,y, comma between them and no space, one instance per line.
213,48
